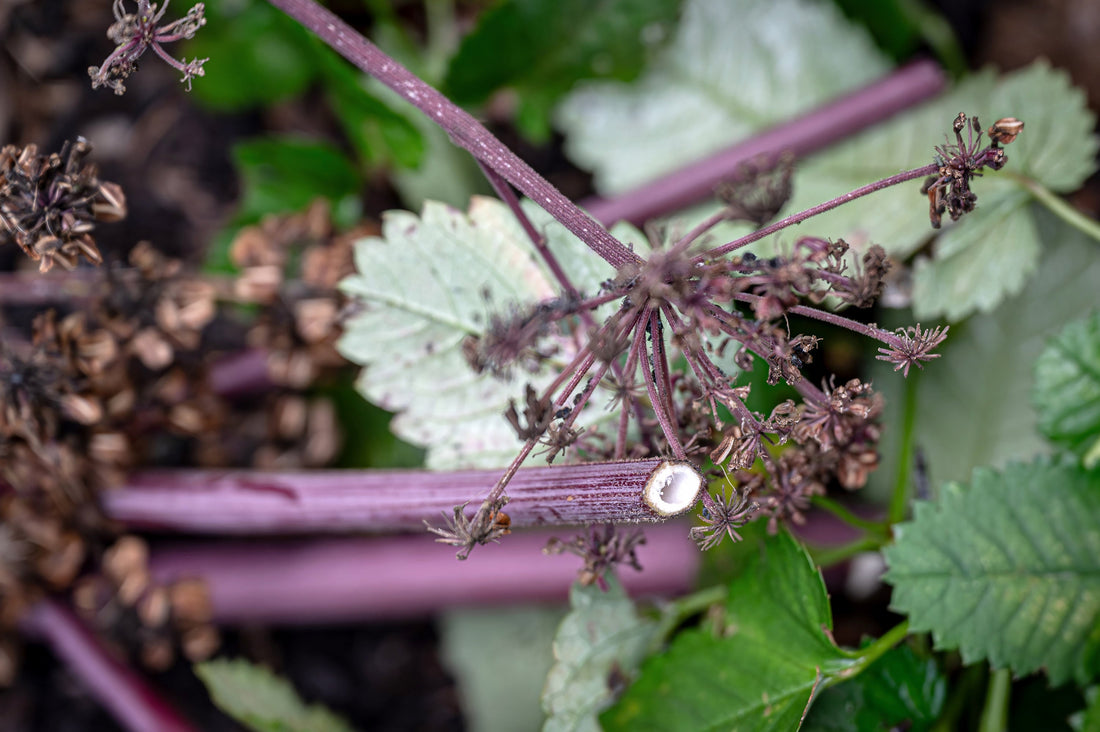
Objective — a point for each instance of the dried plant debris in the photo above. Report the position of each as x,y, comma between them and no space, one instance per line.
601,548
49,203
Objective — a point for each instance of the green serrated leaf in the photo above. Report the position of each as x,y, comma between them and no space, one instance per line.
758,670
599,645
1007,569
1067,388
424,282
262,701
282,174
898,688
499,658
542,47
972,405
277,62
732,69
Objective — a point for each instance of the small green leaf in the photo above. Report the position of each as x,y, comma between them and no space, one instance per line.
599,646
275,62
899,689
1007,569
424,282
262,701
499,658
755,672
1067,388
733,68
542,47
286,174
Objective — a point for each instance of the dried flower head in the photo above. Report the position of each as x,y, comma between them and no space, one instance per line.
135,33
912,346
466,533
760,189
723,516
49,203
601,548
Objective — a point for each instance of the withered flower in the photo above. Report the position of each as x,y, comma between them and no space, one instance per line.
601,548
912,346
135,33
723,516
486,526
49,203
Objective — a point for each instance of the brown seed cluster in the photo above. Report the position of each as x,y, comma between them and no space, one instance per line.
49,203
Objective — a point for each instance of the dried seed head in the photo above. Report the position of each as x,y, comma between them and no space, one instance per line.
1005,130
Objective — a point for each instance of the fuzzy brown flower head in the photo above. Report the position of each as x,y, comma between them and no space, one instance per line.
948,190
49,203
723,516
516,338
912,346
601,548
836,418
760,189
135,33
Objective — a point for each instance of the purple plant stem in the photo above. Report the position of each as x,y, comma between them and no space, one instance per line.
870,331
131,701
249,502
241,374
465,131
809,133
346,579
33,288
821,208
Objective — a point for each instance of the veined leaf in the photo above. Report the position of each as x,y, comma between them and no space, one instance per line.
733,68
262,701
1067,388
600,643
1007,569
755,672
424,283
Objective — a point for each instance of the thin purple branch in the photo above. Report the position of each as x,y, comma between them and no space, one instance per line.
345,579
465,131
245,502
132,702
814,131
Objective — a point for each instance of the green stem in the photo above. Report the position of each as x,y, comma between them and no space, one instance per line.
995,712
873,652
959,700
828,556
679,611
903,484
1058,206
847,516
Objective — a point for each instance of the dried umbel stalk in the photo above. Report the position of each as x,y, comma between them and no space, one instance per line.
49,203
135,33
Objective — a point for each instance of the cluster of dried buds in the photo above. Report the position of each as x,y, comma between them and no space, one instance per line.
49,203
148,620
702,308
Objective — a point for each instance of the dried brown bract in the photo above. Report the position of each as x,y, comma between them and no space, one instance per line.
49,203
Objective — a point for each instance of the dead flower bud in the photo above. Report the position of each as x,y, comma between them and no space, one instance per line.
466,533
911,346
723,516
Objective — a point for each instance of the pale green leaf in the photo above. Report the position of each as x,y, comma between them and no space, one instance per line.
972,404
1007,569
499,658
262,701
424,282
754,672
1067,388
601,639
732,69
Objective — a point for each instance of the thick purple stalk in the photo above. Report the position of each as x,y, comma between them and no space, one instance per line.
821,208
121,691
465,131
345,579
809,133
33,288
247,502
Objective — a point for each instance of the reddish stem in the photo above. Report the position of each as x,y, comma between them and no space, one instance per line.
132,702
465,131
247,502
813,131
332,580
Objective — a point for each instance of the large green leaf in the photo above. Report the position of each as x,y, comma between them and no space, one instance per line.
733,68
599,645
898,688
1067,388
755,672
542,47
262,701
972,405
1007,569
499,658
424,283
